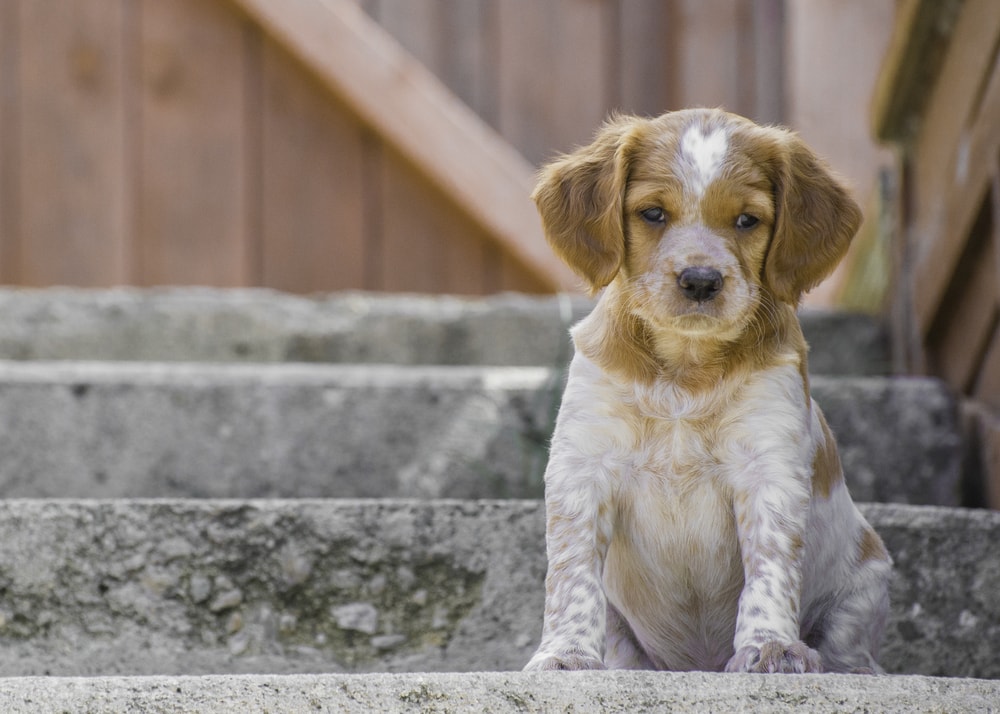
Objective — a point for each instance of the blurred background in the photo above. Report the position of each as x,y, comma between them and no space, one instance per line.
390,145
152,142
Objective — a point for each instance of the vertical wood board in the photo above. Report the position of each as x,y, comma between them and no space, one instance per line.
312,206
707,54
427,244
553,59
193,218
450,38
958,207
967,317
9,151
987,387
72,128
947,115
646,48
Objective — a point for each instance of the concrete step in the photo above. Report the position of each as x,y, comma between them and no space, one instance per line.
203,324
111,430
498,692
199,586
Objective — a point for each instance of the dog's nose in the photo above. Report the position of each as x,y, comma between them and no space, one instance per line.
700,284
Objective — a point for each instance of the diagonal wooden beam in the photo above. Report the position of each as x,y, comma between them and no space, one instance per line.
410,109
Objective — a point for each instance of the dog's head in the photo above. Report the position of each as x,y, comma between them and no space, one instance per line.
695,215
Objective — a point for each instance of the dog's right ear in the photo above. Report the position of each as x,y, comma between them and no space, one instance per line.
580,197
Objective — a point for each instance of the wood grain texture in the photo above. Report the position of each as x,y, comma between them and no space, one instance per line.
967,317
193,214
426,245
71,161
410,109
554,60
964,176
312,202
9,151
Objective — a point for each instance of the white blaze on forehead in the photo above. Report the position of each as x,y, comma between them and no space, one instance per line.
702,155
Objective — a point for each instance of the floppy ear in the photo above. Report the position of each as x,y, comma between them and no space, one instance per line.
579,197
816,220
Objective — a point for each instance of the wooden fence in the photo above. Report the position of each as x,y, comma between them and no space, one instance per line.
939,102
206,142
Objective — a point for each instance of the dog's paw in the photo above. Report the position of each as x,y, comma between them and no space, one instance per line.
789,658
568,660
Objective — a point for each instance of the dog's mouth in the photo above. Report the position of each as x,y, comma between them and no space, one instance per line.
699,319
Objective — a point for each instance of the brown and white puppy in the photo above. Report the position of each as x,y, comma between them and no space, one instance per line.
697,517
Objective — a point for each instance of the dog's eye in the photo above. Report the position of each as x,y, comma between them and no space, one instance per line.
745,221
654,215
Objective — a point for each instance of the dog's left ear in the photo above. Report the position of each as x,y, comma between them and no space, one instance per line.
815,223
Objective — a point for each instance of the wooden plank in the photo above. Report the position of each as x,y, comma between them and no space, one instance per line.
451,39
948,116
415,25
967,321
71,159
910,66
768,60
428,125
989,435
312,204
947,232
707,54
427,245
9,151
194,221
987,386
646,55
554,60
514,277
464,60
372,150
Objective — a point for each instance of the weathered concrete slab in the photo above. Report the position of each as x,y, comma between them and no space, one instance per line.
135,429
606,692
192,587
202,324
138,429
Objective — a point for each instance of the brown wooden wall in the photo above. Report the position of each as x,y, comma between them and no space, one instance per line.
176,142
940,104
546,73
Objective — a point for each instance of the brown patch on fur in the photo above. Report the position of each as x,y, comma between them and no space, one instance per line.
619,342
827,471
871,546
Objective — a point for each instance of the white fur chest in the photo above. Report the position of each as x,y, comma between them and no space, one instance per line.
655,435
665,463
674,534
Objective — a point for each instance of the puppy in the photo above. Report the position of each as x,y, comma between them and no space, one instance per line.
697,517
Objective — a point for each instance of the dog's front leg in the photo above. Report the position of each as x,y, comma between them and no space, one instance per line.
577,533
770,523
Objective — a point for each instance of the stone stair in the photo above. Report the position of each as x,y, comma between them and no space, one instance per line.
263,500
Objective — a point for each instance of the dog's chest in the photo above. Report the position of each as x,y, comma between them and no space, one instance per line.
673,496
680,437
673,567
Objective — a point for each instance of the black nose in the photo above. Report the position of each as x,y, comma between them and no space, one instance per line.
700,284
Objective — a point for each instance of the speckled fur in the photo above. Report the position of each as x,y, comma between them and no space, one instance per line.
697,513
